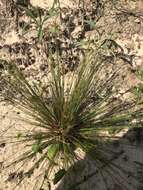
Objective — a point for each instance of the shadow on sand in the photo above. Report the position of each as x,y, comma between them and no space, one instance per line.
123,169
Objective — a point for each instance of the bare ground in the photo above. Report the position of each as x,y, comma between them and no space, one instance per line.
123,23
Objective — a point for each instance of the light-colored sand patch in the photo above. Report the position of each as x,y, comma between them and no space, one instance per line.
49,3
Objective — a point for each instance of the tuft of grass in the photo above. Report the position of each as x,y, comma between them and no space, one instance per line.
75,115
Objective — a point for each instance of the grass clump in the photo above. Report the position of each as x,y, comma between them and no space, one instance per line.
73,115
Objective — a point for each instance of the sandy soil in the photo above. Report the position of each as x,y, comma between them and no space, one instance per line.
126,29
